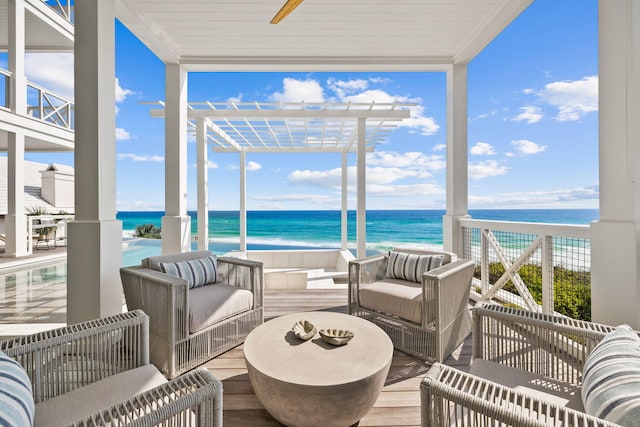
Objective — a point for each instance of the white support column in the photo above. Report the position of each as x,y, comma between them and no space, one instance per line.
16,219
176,224
345,203
94,253
243,200
203,185
615,240
361,213
457,158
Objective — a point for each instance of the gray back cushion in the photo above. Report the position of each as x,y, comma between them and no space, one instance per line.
152,262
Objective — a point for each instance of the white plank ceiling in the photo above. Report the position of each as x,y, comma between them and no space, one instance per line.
211,35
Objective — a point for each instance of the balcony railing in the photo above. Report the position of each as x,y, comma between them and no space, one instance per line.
540,267
42,103
63,7
49,107
5,89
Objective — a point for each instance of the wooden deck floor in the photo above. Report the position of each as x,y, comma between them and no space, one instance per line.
398,404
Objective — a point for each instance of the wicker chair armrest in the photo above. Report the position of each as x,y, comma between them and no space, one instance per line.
243,273
447,286
550,345
60,360
195,396
163,297
450,397
367,270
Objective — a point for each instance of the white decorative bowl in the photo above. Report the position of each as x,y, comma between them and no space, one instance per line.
336,336
304,330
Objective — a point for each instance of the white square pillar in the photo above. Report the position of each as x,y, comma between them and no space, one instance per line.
615,237
16,220
94,252
176,224
203,186
457,157
361,190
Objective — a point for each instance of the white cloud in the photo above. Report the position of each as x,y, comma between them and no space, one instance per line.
314,198
344,87
482,149
121,93
138,205
528,147
122,134
404,190
440,147
210,165
529,114
300,90
411,160
253,166
418,119
486,169
140,158
574,99
544,199
353,91
54,71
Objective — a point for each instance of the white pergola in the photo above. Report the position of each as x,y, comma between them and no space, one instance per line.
334,35
300,127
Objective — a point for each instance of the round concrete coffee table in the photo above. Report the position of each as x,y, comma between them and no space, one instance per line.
312,383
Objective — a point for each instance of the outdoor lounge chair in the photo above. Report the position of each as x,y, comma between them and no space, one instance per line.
192,320
98,373
528,369
425,314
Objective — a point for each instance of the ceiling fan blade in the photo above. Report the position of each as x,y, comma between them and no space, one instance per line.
285,10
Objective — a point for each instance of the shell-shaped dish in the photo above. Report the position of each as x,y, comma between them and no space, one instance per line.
336,336
304,330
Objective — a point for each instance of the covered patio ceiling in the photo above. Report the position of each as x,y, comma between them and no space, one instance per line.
320,35
293,127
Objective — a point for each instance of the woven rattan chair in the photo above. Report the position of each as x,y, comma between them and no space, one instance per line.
175,347
526,371
443,301
82,375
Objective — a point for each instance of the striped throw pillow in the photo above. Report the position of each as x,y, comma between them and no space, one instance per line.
410,267
197,272
611,378
16,398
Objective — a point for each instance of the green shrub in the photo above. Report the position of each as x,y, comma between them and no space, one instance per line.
148,231
572,289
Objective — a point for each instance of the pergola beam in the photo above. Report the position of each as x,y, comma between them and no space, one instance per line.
241,114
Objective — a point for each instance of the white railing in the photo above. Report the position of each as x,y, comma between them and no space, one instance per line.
64,8
47,230
42,103
5,88
540,267
49,107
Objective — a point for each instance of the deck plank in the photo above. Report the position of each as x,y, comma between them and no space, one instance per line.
398,404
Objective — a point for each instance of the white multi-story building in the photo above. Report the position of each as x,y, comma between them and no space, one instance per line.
32,117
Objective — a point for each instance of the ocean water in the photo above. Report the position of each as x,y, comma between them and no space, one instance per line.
321,229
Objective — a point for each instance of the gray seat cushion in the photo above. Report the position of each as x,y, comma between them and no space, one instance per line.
212,303
393,296
77,404
558,392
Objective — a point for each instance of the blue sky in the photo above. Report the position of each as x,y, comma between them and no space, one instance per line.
533,125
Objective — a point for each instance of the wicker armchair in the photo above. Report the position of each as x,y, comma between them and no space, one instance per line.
98,373
175,347
442,299
526,371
